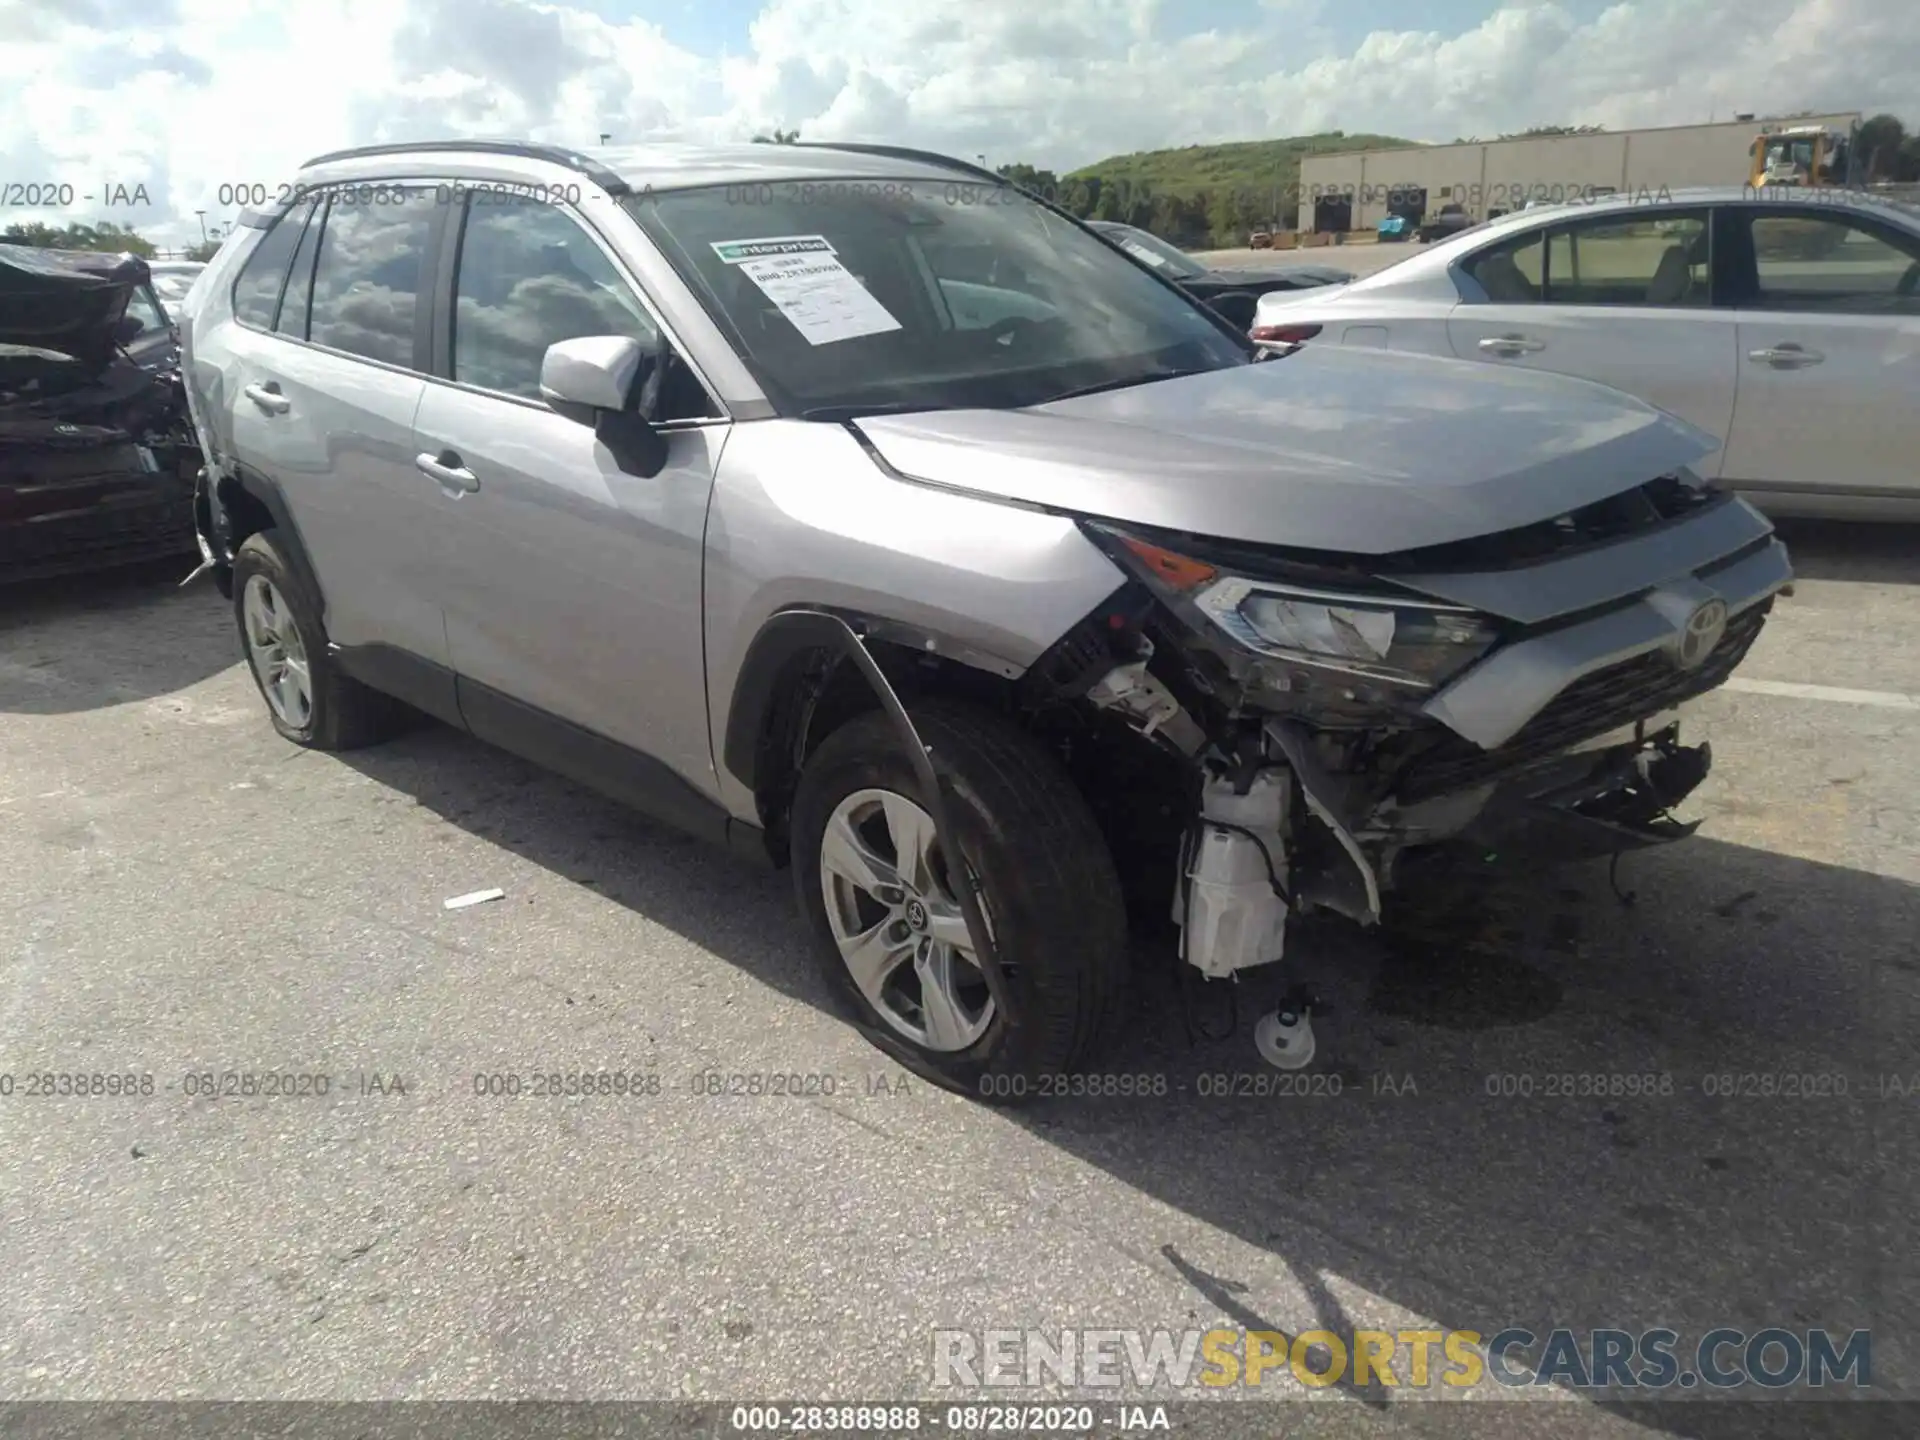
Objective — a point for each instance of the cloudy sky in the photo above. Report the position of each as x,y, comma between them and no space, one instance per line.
184,96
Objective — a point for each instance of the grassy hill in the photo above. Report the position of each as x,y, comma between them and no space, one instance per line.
1249,168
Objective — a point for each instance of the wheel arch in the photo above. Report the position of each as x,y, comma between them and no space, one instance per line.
246,503
800,680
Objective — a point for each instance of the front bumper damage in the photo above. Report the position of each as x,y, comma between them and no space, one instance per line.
1561,742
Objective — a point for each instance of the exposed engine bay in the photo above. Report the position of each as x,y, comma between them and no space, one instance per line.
1315,718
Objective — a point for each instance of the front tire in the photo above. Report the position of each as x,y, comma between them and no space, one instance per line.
309,699
879,895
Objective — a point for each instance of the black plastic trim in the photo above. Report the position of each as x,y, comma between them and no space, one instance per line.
792,633
267,491
423,684
615,770
526,150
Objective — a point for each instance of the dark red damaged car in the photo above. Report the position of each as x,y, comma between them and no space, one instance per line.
97,456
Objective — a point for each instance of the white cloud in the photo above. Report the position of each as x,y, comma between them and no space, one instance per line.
188,96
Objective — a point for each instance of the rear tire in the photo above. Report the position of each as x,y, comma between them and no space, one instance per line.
309,699
1046,881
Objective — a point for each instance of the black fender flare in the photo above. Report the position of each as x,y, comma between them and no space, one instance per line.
268,494
787,635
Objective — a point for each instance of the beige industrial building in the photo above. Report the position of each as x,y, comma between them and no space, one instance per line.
1358,189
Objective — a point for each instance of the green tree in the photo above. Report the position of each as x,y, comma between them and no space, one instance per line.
1878,146
202,252
1533,130
104,237
778,137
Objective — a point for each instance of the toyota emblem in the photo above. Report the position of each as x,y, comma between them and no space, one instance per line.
1701,633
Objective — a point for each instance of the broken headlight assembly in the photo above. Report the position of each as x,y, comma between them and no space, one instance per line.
1403,643
1303,636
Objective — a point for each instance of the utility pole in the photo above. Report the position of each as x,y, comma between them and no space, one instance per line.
203,225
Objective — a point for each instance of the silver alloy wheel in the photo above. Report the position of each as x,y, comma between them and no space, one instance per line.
276,652
901,933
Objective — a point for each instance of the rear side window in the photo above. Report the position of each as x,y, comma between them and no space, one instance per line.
1636,260
256,294
1513,273
1658,260
293,305
367,279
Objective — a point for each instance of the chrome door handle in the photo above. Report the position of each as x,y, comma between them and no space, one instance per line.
1786,356
268,397
1512,345
447,469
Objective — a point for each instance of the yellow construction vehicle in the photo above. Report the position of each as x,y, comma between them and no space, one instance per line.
1799,155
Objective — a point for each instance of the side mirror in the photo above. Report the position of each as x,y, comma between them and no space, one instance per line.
1237,307
591,380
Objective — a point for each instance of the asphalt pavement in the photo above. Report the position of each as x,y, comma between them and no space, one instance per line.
183,895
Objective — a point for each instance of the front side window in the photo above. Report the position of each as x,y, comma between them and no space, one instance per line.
367,279
1830,263
530,277
256,293
854,295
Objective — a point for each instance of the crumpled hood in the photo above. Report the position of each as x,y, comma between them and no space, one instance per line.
1365,452
66,300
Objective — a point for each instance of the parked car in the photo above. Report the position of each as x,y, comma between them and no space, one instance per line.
96,455
173,278
1210,285
1449,221
986,607
1782,330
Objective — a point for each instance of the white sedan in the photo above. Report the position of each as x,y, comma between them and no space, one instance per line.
1786,327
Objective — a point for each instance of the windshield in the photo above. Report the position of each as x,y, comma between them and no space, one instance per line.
1154,251
846,296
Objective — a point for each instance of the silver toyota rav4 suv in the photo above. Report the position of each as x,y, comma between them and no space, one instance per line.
870,516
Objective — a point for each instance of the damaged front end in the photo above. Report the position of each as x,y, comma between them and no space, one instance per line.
96,454
1519,692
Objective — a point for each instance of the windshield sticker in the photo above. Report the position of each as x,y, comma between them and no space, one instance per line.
805,280
734,252
1143,253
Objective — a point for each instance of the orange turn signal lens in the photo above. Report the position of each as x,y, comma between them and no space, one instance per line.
1173,570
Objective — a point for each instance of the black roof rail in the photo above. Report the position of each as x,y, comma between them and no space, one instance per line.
903,152
527,150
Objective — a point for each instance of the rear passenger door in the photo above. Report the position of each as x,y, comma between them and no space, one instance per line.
1624,298
336,321
576,589
1828,307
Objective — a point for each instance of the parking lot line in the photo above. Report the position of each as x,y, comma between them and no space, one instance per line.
1888,699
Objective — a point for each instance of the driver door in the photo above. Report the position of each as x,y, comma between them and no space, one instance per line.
1829,346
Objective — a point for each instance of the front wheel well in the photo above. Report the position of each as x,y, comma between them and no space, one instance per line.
817,690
